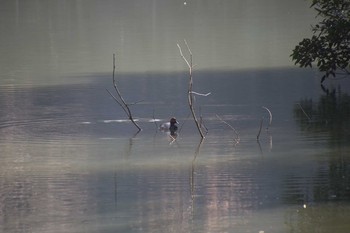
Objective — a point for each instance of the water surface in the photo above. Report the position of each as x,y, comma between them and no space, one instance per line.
72,162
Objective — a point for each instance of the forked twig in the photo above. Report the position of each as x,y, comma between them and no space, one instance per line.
120,100
190,87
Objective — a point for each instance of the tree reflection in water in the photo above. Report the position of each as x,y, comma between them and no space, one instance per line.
329,118
331,114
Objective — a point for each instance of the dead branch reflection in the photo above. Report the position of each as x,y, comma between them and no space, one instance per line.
192,175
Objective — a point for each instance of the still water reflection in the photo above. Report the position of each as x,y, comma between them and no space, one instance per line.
69,163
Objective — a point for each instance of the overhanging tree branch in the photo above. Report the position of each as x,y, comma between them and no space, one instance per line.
329,47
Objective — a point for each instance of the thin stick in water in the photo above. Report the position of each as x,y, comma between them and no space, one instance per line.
270,116
120,100
309,118
233,129
261,123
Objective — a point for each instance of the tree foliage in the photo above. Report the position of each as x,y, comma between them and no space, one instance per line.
329,47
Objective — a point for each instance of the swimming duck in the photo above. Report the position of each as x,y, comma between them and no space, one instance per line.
170,126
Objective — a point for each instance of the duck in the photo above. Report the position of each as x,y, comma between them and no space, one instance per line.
170,126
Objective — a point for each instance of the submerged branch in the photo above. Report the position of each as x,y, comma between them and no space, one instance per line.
237,139
302,109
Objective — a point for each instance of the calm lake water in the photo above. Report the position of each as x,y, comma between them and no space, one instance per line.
71,162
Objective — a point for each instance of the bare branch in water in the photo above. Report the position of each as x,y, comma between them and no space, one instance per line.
270,118
308,117
188,47
201,122
120,100
190,87
237,139
183,57
196,93
261,123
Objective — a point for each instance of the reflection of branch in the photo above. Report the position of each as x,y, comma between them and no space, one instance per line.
260,149
190,86
131,142
120,100
192,180
237,139
304,112
270,142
